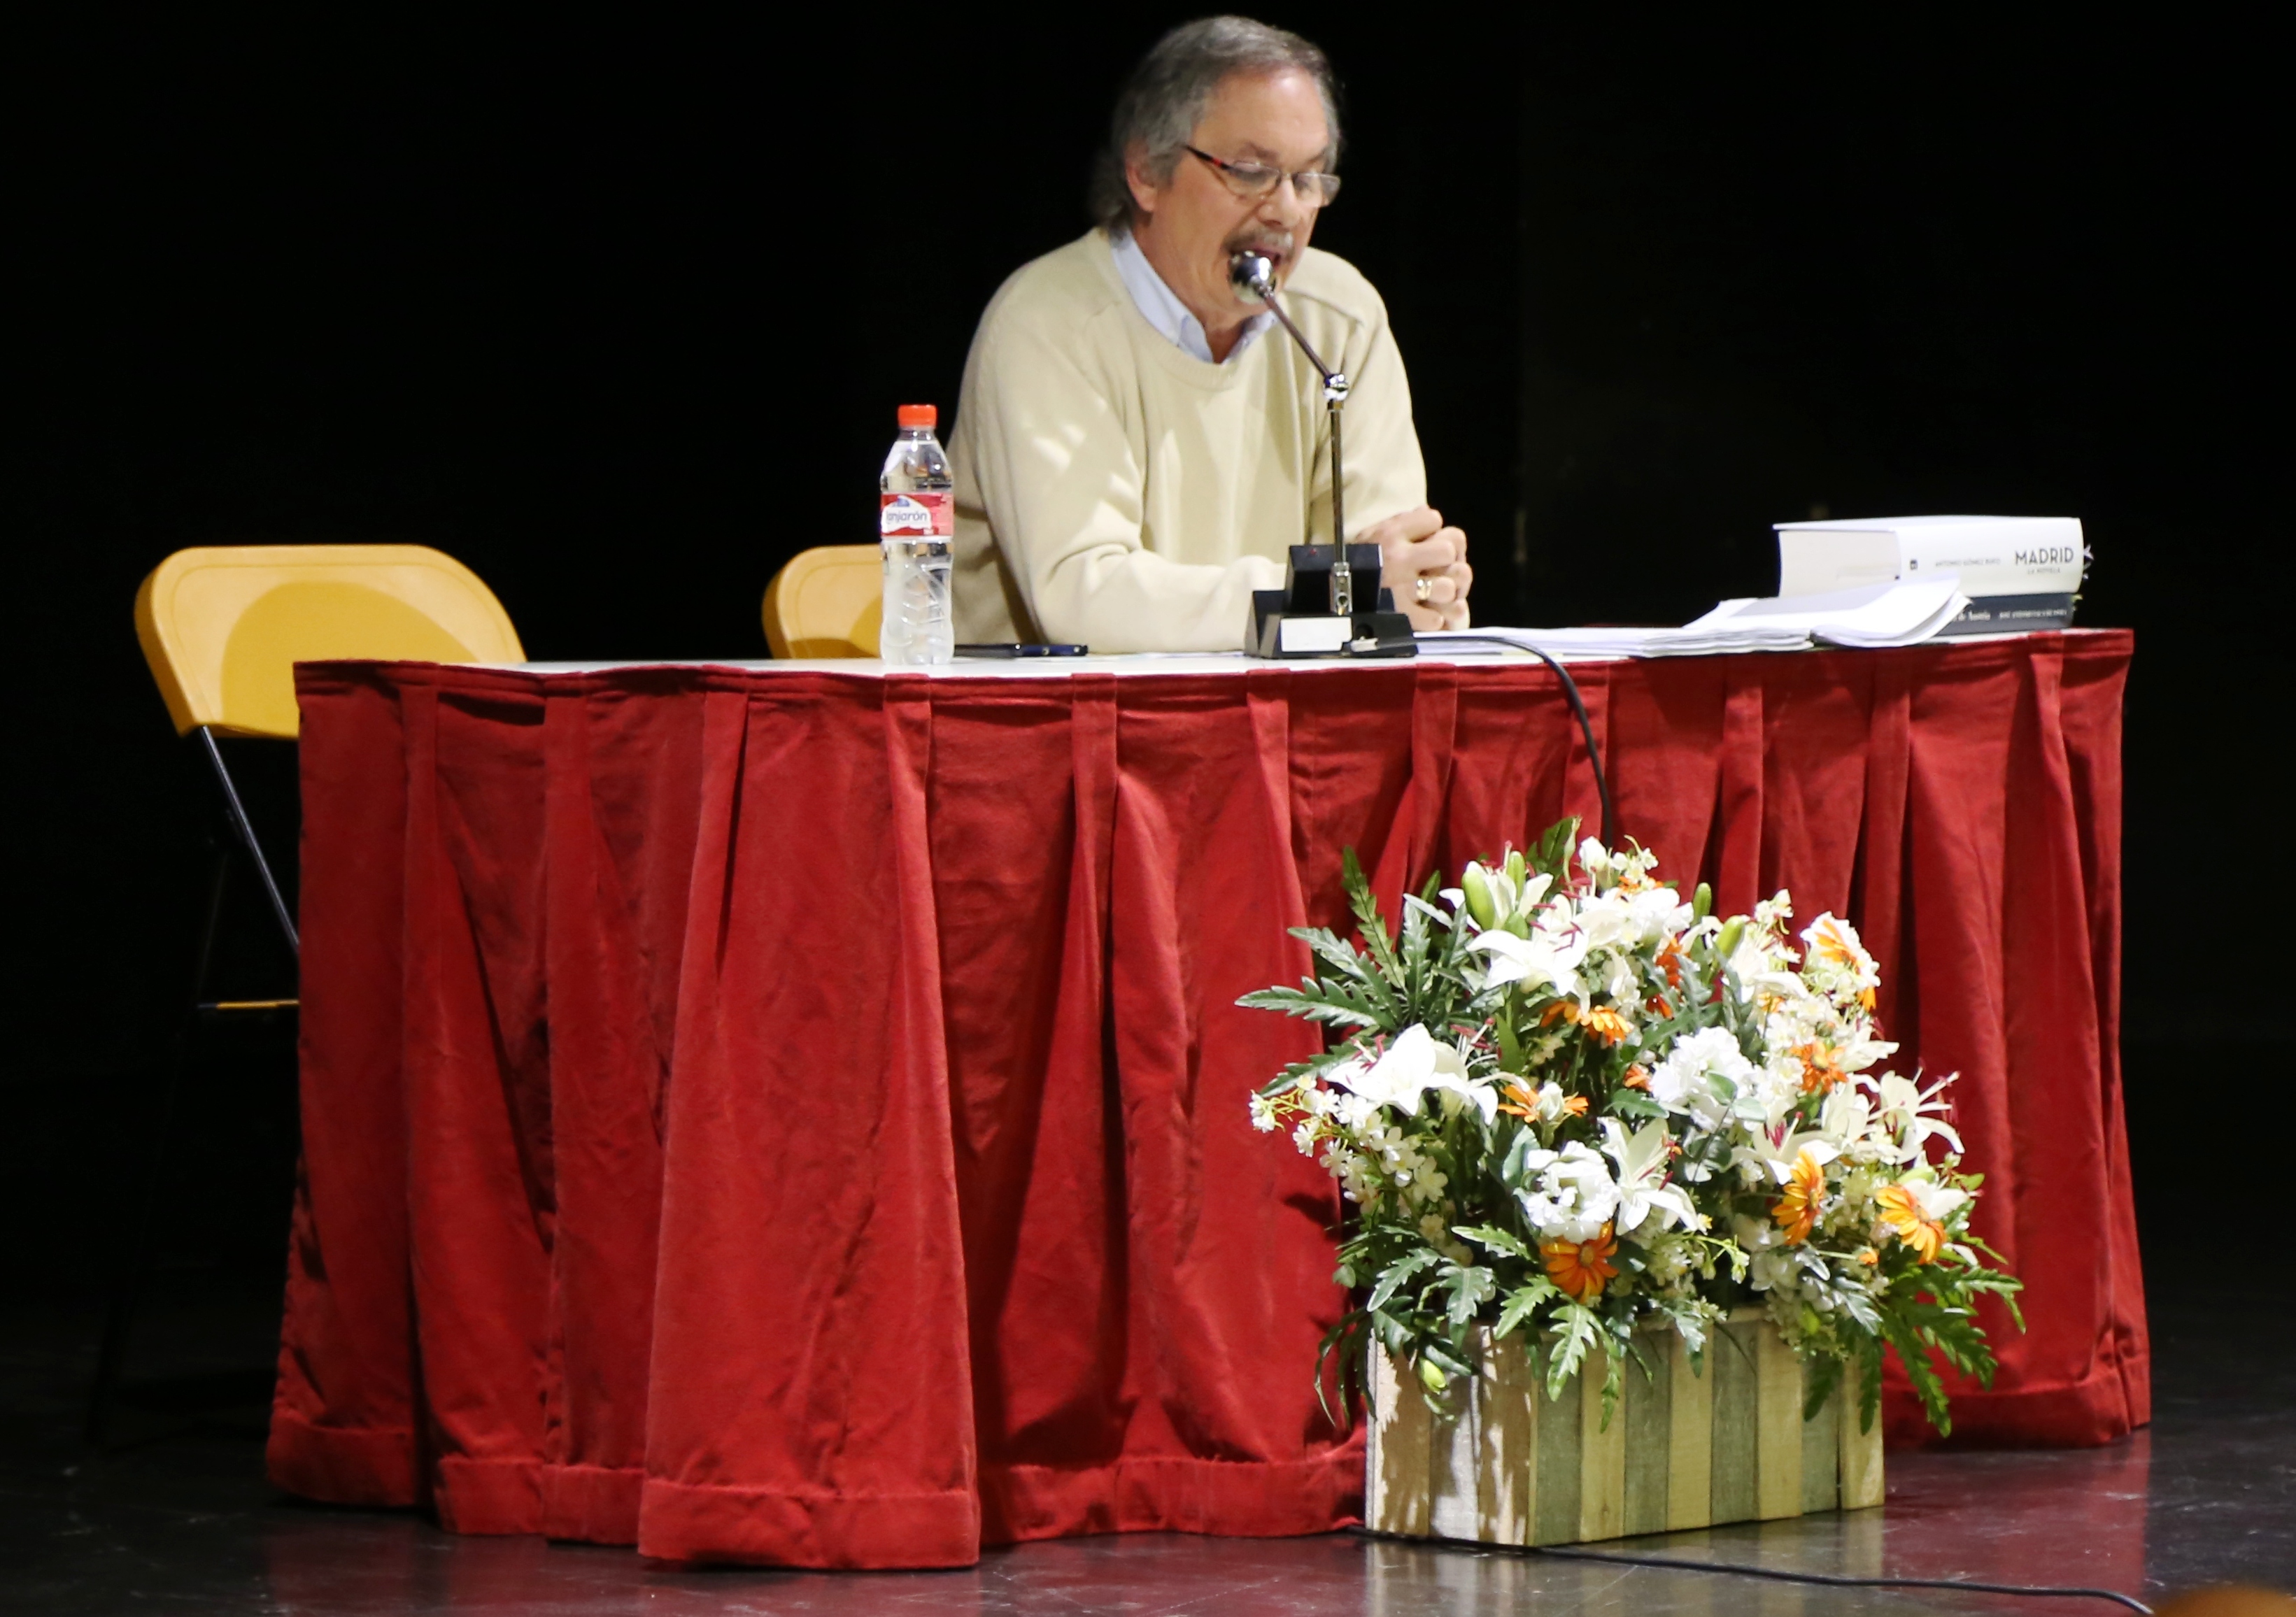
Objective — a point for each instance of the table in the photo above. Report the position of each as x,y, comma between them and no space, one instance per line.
796,1115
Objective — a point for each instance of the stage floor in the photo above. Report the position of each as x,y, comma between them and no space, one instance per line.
175,1517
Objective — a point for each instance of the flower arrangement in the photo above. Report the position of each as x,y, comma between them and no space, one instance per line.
1573,1105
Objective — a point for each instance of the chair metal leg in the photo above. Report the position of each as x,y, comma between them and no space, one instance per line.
133,1262
240,825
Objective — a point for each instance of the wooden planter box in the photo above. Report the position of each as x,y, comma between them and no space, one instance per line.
1502,1464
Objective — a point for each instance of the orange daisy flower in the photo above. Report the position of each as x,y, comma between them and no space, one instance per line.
1581,1269
1903,1216
1637,1079
1526,1102
1670,961
1828,943
1610,1026
1601,1021
1796,1211
1821,1068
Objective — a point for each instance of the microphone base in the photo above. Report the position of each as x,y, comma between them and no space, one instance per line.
1323,636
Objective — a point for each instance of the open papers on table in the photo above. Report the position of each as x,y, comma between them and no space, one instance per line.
1885,614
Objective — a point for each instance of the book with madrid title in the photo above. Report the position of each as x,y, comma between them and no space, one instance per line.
2018,572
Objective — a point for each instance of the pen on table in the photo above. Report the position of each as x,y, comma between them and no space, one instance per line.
1023,650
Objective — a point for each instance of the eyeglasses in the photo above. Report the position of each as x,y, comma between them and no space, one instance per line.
1256,181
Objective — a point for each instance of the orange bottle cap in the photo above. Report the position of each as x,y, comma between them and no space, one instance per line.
927,416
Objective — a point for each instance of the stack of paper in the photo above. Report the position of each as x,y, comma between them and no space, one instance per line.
1878,615
1568,644
1873,615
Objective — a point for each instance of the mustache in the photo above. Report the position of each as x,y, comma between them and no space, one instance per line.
1275,242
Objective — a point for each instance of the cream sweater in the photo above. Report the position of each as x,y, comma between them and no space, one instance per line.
1113,490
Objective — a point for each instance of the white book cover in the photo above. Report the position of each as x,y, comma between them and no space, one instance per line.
1990,555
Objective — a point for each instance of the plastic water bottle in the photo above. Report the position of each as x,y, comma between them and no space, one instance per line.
917,521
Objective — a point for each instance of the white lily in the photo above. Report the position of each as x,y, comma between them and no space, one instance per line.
1781,1160
1845,1117
1623,920
1608,920
1532,890
1554,1104
1538,961
1642,1191
1658,912
1625,865
1936,1201
1415,1062
1459,1090
1912,1114
1856,1052
1772,1267
1776,1093
1763,970
1509,898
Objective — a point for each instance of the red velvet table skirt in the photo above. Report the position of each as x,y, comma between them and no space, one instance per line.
800,1117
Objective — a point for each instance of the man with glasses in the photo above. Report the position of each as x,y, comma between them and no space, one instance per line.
1135,451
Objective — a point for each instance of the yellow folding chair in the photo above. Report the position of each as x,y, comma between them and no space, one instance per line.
223,629
827,602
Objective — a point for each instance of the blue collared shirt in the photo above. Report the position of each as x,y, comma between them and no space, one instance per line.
1161,307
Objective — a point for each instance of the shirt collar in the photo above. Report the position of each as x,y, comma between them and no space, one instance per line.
1161,307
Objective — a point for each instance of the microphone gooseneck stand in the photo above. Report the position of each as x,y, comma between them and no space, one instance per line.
1331,604
1253,273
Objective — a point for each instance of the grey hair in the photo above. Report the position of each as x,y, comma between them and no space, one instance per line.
1164,100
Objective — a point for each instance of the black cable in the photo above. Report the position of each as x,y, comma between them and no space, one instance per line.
2047,1591
1832,1579
1586,724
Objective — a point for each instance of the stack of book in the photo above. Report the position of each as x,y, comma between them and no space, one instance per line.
2018,572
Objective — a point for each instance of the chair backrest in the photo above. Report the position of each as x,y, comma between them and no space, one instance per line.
223,628
827,602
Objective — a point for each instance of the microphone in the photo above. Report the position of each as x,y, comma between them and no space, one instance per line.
1253,273
1253,276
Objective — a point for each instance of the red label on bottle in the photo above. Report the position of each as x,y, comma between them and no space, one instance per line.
931,513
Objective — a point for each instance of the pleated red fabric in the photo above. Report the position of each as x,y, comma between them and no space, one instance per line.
799,1118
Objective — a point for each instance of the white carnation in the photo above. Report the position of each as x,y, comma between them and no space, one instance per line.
1703,1075
1574,1196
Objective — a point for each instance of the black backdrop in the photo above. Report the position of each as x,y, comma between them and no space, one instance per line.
619,315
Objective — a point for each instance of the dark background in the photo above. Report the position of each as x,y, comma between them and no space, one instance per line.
619,318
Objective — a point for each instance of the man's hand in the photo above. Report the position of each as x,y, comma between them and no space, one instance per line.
1417,545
